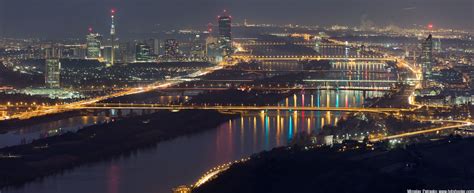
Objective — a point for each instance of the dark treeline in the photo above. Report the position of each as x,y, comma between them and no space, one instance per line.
325,170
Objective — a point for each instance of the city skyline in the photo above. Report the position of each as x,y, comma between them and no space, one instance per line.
144,16
277,96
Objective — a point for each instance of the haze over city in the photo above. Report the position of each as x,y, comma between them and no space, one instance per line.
249,96
58,18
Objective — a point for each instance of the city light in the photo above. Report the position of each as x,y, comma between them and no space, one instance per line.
279,92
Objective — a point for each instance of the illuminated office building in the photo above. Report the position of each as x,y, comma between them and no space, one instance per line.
52,73
171,49
142,53
225,34
427,59
197,49
93,45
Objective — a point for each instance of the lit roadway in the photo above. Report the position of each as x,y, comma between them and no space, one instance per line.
356,81
458,124
214,172
131,106
360,88
75,105
315,57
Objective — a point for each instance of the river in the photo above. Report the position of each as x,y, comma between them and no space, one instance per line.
183,160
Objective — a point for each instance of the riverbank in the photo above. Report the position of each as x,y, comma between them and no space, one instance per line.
7,125
51,155
443,164
43,157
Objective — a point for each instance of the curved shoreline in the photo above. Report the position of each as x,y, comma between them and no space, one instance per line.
44,157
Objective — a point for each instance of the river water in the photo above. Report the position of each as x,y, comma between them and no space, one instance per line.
183,160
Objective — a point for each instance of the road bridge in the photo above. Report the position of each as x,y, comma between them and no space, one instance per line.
133,106
314,57
357,88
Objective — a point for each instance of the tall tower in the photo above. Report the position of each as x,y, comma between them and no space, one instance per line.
112,36
225,33
427,59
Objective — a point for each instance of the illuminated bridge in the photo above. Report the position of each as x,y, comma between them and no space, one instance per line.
358,88
260,43
314,57
357,81
132,106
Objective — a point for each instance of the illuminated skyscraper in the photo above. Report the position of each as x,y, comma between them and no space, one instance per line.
212,49
52,73
197,49
172,49
225,34
427,59
142,53
93,45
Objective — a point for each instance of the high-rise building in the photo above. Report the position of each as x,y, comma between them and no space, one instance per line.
127,51
212,49
93,45
427,59
107,54
154,44
225,34
52,73
143,53
171,49
197,49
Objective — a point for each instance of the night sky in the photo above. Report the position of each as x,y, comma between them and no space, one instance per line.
71,18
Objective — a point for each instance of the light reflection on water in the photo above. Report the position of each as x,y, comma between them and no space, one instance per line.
185,159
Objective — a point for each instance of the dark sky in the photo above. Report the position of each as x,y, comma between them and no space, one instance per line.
70,18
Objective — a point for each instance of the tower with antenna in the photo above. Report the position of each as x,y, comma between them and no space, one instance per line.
112,36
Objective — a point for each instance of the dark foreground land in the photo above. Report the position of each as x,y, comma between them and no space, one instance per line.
442,165
22,163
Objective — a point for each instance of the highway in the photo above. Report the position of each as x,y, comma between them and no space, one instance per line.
212,173
459,124
75,105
